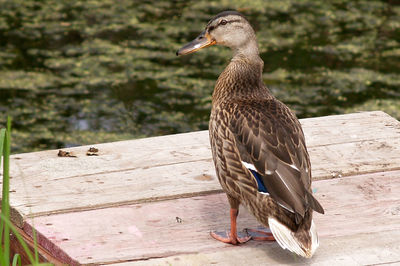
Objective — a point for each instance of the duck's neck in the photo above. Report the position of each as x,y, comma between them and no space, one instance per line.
242,78
249,50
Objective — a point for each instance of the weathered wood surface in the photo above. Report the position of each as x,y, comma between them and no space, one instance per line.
361,226
180,165
121,207
17,248
346,250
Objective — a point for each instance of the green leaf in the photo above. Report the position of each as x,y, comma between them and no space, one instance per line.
5,202
2,137
19,237
16,260
3,257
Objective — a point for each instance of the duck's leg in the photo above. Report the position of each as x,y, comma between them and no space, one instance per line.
232,236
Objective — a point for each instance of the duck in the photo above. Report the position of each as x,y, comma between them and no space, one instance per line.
258,145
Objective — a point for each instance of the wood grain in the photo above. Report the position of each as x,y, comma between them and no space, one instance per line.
43,254
346,250
180,165
361,226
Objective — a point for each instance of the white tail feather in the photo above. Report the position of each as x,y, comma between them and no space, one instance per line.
287,239
314,238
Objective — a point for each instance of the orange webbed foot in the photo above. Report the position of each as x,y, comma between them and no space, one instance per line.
228,237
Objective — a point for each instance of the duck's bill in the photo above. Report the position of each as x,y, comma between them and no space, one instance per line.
202,41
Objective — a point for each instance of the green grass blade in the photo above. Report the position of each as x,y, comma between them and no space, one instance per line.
16,260
2,137
9,124
5,203
19,238
5,144
35,243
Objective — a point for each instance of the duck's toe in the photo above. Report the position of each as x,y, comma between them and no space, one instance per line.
228,237
260,233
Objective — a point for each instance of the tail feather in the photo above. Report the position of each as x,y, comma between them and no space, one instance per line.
302,243
315,205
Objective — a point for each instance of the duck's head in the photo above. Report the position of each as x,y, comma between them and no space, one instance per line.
228,28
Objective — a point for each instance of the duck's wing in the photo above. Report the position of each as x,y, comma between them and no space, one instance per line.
270,140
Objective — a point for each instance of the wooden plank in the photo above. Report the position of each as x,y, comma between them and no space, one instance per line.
347,250
180,165
355,127
113,189
189,147
171,181
113,157
358,208
43,255
353,158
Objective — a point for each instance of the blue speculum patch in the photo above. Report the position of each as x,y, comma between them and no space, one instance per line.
260,184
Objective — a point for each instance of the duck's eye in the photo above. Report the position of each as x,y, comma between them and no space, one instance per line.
223,22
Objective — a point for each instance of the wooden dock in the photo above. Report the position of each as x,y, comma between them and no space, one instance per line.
153,201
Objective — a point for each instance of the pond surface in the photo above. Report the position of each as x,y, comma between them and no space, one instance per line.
74,73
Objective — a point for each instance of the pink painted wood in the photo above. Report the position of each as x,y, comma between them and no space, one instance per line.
358,208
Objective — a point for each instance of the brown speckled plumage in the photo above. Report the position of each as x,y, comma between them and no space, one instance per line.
249,126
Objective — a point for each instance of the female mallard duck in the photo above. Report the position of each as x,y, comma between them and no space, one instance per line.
257,143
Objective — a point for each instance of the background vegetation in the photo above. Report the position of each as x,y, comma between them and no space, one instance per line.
80,72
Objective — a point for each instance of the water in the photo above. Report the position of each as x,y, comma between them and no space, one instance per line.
74,73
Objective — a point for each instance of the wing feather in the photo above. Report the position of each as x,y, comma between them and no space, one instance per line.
270,137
